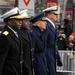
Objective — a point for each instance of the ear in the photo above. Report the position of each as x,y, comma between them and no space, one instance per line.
36,23
10,22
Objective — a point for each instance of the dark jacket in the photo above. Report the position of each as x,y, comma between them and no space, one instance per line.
38,43
28,64
61,43
67,30
10,53
51,52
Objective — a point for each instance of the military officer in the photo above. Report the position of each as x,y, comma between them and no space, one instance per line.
26,39
10,45
51,52
26,36
38,43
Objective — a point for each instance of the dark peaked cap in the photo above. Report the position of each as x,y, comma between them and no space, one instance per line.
40,16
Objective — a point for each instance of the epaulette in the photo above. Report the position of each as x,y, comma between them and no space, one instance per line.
6,33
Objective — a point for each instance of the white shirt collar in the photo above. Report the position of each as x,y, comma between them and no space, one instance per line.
13,31
50,22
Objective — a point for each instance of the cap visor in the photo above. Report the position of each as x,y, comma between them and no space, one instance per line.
17,17
56,12
26,17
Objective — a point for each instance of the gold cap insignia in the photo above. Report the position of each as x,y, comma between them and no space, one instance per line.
6,33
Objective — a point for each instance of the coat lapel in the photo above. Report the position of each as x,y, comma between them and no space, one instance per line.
38,32
17,40
50,26
24,35
11,34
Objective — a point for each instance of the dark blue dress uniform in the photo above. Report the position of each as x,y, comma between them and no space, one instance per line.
53,57
51,51
38,43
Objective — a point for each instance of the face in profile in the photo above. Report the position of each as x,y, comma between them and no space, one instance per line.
41,24
26,23
53,17
16,24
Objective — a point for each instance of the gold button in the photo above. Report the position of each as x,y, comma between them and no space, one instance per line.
33,59
21,71
33,69
21,62
32,49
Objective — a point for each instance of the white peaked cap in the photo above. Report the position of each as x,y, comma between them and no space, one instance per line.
24,13
53,8
12,12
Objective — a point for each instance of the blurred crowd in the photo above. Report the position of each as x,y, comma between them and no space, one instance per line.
66,36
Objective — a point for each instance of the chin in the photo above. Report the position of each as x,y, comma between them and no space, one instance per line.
45,28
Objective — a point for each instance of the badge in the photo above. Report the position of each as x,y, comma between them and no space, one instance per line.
6,33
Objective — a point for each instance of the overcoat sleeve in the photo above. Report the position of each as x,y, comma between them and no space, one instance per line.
4,47
33,37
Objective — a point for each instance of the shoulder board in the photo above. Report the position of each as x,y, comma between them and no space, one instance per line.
6,33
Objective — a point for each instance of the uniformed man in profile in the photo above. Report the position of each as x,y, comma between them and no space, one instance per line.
27,43
39,43
11,45
26,40
53,57
25,21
